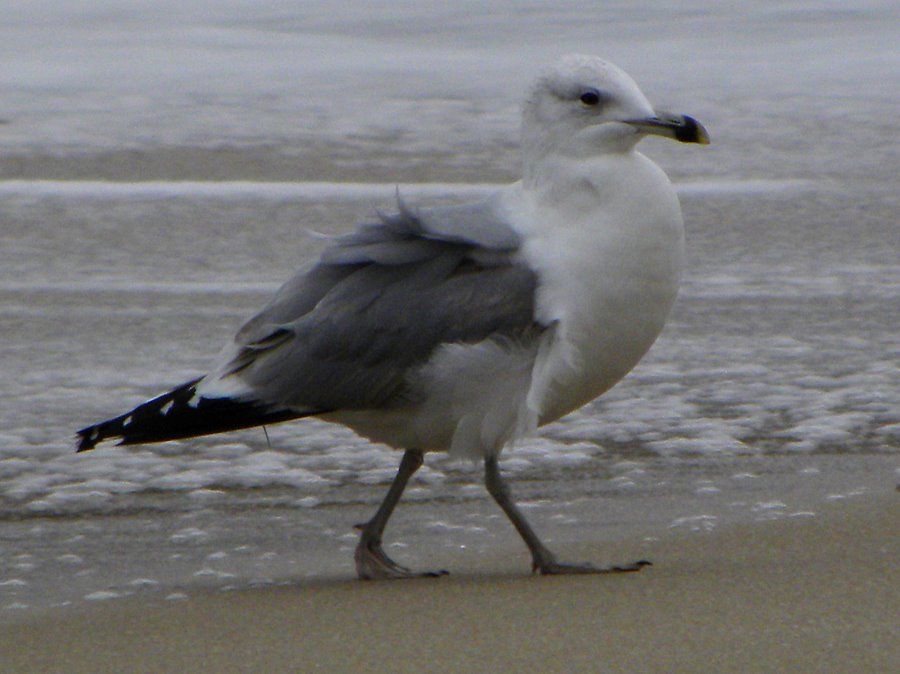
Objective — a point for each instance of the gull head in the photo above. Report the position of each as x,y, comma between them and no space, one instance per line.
585,106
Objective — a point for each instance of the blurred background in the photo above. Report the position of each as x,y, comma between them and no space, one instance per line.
162,164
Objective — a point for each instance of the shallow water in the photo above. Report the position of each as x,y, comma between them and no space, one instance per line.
775,382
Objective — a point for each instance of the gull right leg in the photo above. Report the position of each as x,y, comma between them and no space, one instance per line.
542,559
371,560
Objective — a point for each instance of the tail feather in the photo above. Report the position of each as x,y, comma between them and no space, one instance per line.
180,414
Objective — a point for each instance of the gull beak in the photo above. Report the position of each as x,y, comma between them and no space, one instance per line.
680,127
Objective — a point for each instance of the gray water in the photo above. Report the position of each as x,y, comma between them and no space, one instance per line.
123,270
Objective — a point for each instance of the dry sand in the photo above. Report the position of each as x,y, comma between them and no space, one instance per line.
817,594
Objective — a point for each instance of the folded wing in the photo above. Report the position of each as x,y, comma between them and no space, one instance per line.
347,332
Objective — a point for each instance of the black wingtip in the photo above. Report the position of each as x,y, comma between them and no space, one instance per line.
87,438
176,415
91,436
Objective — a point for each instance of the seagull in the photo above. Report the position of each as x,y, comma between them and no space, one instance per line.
463,328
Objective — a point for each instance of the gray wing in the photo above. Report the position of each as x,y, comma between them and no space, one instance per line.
345,333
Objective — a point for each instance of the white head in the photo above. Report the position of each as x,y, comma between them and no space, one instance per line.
584,106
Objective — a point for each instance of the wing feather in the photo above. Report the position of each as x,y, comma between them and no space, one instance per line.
348,332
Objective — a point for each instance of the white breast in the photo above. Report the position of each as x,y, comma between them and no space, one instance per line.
608,244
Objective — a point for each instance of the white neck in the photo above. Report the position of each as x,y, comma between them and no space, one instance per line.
548,148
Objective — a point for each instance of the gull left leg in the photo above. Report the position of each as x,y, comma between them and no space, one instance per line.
371,560
543,560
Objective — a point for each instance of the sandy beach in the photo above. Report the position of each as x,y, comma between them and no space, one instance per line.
815,594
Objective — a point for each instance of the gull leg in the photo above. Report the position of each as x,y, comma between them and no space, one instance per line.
371,561
543,560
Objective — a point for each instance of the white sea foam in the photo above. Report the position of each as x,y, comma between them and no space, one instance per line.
103,595
15,606
695,522
188,535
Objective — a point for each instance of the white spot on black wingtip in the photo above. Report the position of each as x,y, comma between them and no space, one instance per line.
95,433
165,409
126,422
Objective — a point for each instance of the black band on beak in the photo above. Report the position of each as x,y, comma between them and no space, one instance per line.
691,131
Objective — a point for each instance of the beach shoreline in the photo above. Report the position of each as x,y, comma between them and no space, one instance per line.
800,594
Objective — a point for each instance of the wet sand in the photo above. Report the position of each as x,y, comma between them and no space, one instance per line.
802,594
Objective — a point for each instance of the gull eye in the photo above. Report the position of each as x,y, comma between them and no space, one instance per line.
590,97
